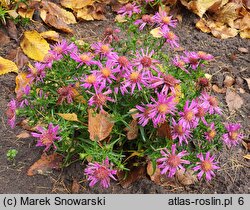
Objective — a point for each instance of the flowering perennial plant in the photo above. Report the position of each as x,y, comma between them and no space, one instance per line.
134,88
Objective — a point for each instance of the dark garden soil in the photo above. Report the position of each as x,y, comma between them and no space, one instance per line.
233,177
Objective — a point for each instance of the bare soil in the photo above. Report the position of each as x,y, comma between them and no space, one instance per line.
233,177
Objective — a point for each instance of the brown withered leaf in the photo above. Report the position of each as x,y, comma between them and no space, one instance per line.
243,49
26,13
50,35
164,131
93,12
202,25
23,135
234,101
228,81
21,59
185,178
4,39
45,164
245,22
11,29
75,186
57,17
132,130
223,32
158,178
248,82
100,125
216,89
134,174
76,4
247,156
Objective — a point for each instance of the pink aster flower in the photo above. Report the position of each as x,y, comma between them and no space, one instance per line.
129,9
205,56
171,162
165,81
11,113
37,73
170,37
102,173
181,132
25,92
100,98
233,137
201,112
49,59
160,108
164,20
211,133
144,60
105,73
178,62
110,35
121,63
134,79
84,58
145,20
206,166
188,116
104,50
192,58
91,80
211,103
47,137
143,114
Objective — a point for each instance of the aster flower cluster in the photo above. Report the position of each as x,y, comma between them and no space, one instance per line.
107,79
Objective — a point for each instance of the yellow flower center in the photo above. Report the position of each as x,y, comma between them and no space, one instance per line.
106,72
134,76
166,20
179,129
189,115
212,134
171,35
105,49
163,108
234,135
91,79
174,160
85,58
58,49
206,165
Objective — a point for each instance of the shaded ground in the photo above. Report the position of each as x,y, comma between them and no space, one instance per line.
233,177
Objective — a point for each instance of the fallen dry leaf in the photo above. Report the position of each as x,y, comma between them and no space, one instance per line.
100,125
45,164
134,174
75,187
243,49
132,130
12,30
224,32
21,59
228,81
57,17
7,66
245,34
26,13
158,178
4,39
247,156
164,131
156,32
69,116
34,45
50,35
185,178
120,19
202,25
216,89
76,4
23,135
234,101
248,82
21,82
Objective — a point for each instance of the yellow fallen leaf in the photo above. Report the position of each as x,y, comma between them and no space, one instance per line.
34,45
5,3
156,32
69,116
84,14
100,125
123,1
60,13
50,35
21,82
201,24
245,34
76,4
224,32
120,19
245,22
7,66
247,156
26,13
